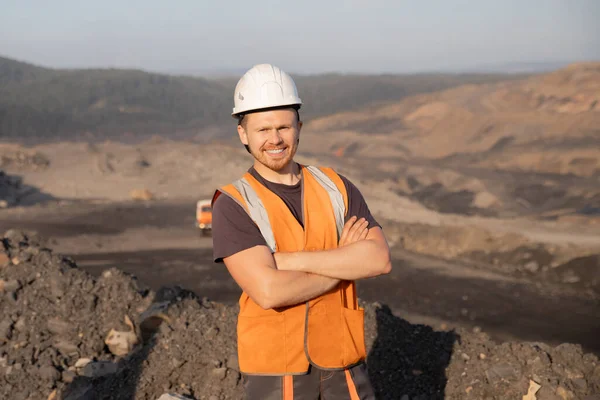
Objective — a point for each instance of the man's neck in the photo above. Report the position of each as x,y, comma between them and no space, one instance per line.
290,175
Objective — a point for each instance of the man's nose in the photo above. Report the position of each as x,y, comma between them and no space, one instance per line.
274,136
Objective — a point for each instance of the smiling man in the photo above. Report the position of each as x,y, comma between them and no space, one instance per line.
295,238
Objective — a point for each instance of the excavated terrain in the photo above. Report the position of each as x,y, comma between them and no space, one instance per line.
65,334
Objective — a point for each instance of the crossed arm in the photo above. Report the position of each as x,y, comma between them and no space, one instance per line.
282,279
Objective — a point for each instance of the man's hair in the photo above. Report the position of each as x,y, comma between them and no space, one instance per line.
242,118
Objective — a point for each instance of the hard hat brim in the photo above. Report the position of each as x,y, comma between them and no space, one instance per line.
237,114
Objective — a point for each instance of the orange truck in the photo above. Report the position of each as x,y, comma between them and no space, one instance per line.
204,216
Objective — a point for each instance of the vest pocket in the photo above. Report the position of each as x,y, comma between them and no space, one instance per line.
261,344
336,339
354,336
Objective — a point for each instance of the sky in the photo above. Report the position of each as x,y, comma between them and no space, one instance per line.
304,37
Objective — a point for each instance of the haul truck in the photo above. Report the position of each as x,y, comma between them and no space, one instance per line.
204,217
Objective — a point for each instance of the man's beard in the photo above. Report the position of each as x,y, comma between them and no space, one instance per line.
276,164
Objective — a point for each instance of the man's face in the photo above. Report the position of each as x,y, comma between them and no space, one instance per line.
272,136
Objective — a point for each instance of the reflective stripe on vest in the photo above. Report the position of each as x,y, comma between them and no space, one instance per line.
337,200
258,213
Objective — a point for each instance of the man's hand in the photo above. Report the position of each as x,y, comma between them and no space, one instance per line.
354,230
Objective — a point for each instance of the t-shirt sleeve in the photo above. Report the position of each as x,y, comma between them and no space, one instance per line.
232,229
357,206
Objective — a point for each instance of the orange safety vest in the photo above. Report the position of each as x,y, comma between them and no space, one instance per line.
327,331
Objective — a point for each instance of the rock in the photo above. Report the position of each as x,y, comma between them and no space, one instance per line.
141,195
58,326
82,362
49,373
121,343
57,287
68,376
173,396
571,278
564,394
532,266
220,373
15,236
20,325
67,348
485,200
531,391
233,363
501,372
4,260
212,332
10,286
6,330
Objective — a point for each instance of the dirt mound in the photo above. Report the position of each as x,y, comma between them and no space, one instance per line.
63,328
54,314
189,349
23,159
10,189
415,362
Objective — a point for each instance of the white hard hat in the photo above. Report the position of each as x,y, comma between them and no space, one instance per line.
264,86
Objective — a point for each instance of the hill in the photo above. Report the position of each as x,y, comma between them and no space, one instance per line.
523,146
42,104
560,110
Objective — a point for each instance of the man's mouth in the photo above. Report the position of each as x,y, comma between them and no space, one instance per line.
275,151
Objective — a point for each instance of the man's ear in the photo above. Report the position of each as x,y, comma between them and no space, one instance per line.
242,134
299,130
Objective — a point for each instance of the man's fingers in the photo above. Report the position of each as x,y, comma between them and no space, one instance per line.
345,232
365,231
344,235
356,230
347,227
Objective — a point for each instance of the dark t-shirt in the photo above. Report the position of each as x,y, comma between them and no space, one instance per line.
233,230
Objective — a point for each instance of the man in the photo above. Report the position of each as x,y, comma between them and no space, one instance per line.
294,238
